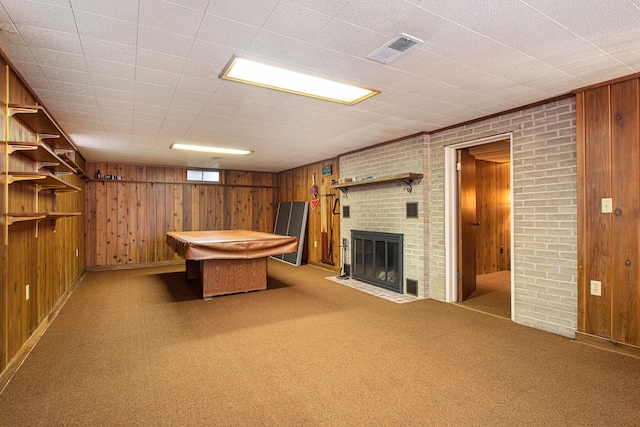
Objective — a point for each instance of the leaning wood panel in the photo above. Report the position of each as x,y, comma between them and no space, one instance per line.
625,226
597,226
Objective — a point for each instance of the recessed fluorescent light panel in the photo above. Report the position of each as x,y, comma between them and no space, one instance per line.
260,74
210,149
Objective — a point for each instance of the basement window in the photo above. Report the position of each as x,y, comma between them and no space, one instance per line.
203,176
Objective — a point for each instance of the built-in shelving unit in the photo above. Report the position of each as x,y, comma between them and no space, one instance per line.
53,155
39,120
406,178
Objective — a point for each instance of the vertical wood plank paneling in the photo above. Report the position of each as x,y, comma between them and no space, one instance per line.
146,211
581,203
625,225
493,215
598,225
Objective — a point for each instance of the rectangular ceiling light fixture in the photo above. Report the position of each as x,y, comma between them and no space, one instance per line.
270,76
210,149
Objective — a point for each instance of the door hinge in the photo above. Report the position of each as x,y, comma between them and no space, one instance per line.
458,166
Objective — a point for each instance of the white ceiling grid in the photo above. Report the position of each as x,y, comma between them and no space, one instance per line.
127,78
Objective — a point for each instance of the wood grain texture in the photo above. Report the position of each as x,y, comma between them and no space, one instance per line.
230,276
608,137
625,224
598,225
493,212
127,220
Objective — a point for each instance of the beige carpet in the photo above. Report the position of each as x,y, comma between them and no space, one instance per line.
139,348
492,295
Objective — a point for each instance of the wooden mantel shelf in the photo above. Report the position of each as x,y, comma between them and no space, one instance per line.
406,178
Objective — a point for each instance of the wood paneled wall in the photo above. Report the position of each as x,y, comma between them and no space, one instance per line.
608,139
493,212
46,255
127,220
294,186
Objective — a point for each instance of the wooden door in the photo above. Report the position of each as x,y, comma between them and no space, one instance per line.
467,224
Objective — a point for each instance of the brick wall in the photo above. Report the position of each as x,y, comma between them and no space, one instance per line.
382,207
544,211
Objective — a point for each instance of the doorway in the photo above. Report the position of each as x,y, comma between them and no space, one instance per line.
479,231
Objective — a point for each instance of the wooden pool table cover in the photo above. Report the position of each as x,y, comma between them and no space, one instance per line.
229,244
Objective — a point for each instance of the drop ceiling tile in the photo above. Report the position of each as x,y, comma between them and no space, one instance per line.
225,32
49,39
42,15
156,77
114,52
143,88
160,61
104,28
171,17
113,83
201,71
145,99
71,88
164,41
211,53
111,69
198,98
123,10
63,75
292,20
119,95
250,12
373,14
150,108
274,48
56,59
201,86
330,8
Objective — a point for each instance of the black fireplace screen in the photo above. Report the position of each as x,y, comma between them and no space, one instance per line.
376,259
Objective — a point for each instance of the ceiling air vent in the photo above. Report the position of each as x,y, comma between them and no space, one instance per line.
394,48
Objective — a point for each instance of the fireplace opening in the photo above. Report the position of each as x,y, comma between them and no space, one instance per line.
376,258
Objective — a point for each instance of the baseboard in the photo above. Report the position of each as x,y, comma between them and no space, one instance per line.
132,266
22,354
604,343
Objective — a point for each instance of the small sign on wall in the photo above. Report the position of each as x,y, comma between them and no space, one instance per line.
327,170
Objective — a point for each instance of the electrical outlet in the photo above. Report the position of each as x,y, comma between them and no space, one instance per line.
27,293
315,243
596,288
77,253
606,205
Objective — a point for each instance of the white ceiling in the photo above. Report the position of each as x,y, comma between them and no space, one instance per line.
127,78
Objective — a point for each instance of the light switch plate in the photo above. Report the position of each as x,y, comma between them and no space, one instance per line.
596,288
607,205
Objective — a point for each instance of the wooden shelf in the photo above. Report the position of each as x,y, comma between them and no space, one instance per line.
406,178
42,154
45,181
39,121
69,157
13,217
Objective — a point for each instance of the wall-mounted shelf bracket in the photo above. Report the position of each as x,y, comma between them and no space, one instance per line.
408,183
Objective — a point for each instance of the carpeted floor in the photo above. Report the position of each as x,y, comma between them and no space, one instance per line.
138,347
492,295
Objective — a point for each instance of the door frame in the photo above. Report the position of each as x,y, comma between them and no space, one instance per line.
451,214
